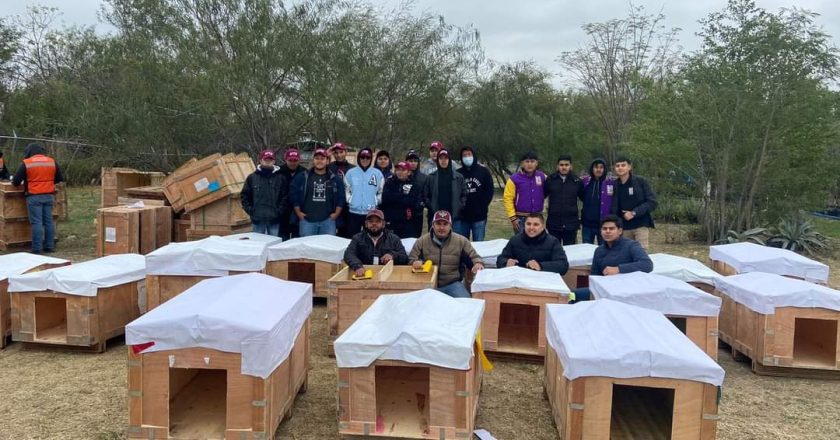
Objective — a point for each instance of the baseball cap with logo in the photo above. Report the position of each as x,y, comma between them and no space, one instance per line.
412,155
365,152
443,153
403,164
436,145
442,215
267,155
320,151
375,213
291,155
339,146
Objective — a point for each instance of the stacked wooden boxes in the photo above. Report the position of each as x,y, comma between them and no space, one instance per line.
18,264
312,260
135,229
116,182
515,300
225,359
15,230
81,305
391,385
633,375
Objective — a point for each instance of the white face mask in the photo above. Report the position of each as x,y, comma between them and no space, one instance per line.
467,161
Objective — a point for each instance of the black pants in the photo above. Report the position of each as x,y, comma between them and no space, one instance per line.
566,237
355,222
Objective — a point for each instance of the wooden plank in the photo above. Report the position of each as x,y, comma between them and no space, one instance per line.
115,182
220,214
195,234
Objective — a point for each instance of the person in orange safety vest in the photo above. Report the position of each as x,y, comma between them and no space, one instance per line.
39,173
4,172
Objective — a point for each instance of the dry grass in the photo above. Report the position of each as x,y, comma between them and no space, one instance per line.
57,395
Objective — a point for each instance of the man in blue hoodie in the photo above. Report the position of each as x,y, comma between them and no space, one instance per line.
363,188
479,182
265,196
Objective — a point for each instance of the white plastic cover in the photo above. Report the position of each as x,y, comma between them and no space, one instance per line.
268,240
212,256
425,326
489,280
490,250
751,257
83,279
580,254
763,292
327,248
656,292
684,269
612,339
22,262
408,244
252,314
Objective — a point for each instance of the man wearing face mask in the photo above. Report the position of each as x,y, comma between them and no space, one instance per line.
473,219
363,188
374,245
265,196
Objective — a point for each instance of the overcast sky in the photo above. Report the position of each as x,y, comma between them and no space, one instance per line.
537,30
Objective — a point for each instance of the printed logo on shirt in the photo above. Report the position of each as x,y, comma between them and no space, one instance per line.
319,193
539,180
406,188
372,181
473,185
610,190
630,190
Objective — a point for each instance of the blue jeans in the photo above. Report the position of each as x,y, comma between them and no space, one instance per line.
590,235
582,294
40,217
323,227
266,228
463,227
455,290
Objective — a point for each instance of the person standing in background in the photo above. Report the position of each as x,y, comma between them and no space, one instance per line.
363,187
472,222
340,166
633,202
289,226
265,196
402,202
445,189
562,190
383,163
318,197
4,172
419,180
39,174
524,192
597,190
430,165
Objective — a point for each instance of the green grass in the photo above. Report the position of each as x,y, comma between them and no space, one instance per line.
77,235
829,228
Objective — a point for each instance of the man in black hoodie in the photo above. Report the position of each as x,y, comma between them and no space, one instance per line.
479,184
562,189
39,173
289,227
597,191
445,189
265,196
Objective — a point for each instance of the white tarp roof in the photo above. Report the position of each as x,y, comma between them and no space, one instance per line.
83,279
408,243
751,257
612,339
268,240
489,280
252,314
656,292
425,326
327,248
580,254
490,250
684,269
763,292
21,262
212,256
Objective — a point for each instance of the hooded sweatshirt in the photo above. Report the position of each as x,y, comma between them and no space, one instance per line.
436,195
265,195
480,189
387,171
363,187
597,196
20,175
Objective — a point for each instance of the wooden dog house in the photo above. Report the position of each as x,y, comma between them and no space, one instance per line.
314,260
580,264
685,269
731,259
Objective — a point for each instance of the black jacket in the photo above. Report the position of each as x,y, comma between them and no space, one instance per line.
340,168
265,195
20,173
4,172
635,195
335,190
544,249
628,255
399,196
290,175
458,193
361,249
563,213
479,184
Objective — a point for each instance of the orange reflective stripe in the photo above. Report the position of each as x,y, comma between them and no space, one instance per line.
40,174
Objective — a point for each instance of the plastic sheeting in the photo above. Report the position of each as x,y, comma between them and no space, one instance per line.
580,254
683,269
268,240
656,292
489,251
212,256
764,292
252,314
489,280
327,248
22,262
83,279
751,257
424,326
408,244
612,339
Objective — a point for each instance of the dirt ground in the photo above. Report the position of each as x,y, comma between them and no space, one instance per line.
60,395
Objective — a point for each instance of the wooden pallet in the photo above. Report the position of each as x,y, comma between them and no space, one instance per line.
304,270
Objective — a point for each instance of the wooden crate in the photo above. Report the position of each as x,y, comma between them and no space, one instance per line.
200,393
151,192
600,408
199,234
6,304
179,230
708,288
201,182
303,270
222,213
727,270
17,234
577,276
125,230
702,330
400,399
514,320
162,288
115,182
60,319
13,202
348,299
794,341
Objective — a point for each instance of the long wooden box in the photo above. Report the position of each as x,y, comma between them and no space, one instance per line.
222,213
349,298
794,339
17,234
199,234
200,393
6,304
514,320
202,182
600,408
115,182
304,270
162,288
577,276
124,230
13,202
400,399
72,320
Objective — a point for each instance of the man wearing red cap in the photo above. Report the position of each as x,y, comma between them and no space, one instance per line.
445,189
363,187
374,245
290,169
317,197
448,251
402,202
265,196
430,165
339,165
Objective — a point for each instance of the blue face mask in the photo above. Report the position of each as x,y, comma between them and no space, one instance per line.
468,161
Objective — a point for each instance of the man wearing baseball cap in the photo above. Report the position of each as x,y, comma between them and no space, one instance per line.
445,188
339,165
402,202
265,196
430,165
291,168
374,245
363,187
448,251
318,197
419,180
